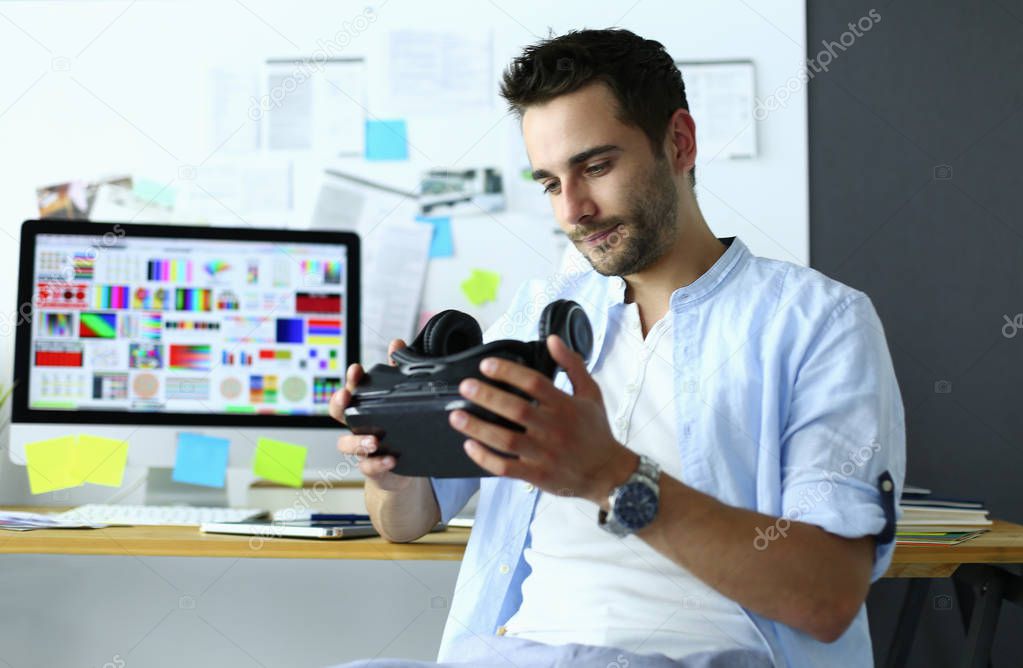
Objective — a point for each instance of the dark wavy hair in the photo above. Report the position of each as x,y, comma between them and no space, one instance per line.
640,73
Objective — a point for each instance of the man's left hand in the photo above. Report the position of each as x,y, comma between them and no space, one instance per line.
567,448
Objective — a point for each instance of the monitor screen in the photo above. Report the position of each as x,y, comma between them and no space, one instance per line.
175,321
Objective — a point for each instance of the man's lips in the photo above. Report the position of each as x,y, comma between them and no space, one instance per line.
597,237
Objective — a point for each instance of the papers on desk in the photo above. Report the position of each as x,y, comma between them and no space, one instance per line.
930,520
12,520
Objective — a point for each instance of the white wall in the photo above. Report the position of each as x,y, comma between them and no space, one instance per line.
91,88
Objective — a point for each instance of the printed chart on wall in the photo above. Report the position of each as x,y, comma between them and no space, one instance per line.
187,325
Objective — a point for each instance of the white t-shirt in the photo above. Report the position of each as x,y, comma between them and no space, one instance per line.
588,586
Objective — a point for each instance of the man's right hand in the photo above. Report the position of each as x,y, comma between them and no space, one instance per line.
376,469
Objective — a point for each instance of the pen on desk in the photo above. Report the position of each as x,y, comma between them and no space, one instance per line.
331,517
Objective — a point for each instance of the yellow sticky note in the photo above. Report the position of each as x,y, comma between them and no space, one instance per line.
100,460
481,286
49,464
279,462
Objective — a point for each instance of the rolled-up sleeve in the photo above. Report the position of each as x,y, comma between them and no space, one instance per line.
845,428
452,494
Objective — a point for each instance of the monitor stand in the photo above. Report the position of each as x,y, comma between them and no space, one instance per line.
162,490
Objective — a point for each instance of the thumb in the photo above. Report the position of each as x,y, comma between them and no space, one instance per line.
583,384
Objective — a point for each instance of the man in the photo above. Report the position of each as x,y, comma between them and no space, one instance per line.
717,485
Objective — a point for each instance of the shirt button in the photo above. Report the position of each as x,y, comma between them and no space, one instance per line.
623,423
630,388
501,630
504,569
529,487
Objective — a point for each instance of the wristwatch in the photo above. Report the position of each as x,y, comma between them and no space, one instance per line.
634,503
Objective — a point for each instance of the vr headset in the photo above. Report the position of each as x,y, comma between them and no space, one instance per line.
406,406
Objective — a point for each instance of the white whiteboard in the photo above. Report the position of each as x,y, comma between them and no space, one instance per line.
97,88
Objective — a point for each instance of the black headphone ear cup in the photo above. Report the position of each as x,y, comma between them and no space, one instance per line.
449,332
568,320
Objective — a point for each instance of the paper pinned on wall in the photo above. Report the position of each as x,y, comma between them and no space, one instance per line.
234,110
279,462
315,104
161,194
386,140
339,205
201,460
393,285
226,192
721,98
481,286
114,203
430,65
343,93
441,243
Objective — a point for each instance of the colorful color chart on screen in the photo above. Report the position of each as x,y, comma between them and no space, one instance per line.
187,325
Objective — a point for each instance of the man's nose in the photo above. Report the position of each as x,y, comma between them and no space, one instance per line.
578,206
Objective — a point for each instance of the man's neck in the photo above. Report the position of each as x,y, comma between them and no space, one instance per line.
695,251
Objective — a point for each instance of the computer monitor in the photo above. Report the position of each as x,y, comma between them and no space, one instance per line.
141,332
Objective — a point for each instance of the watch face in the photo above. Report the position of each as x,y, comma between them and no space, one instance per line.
636,506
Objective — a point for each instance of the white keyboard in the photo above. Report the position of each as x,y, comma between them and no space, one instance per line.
97,513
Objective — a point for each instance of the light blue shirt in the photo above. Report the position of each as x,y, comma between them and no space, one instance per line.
786,403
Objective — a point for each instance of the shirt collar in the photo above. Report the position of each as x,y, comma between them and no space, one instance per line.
703,285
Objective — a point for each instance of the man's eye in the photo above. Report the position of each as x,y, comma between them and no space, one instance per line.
597,169
550,187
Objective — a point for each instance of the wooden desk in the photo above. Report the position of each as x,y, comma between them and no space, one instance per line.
985,571
1003,544
177,541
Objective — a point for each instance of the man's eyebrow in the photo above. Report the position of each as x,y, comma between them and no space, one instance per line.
577,159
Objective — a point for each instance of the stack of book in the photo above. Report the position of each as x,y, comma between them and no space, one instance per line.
931,520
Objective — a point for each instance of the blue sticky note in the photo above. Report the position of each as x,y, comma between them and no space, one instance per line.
386,140
201,460
441,243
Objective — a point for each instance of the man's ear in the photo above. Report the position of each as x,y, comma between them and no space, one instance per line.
681,140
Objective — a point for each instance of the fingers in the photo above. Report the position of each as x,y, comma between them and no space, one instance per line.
501,438
353,376
396,344
530,381
362,447
496,464
507,405
583,384
340,399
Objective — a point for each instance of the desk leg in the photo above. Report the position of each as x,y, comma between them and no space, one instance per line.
988,586
909,616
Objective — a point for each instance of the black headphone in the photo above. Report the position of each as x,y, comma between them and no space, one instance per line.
452,337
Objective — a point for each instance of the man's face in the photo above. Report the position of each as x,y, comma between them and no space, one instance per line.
614,199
